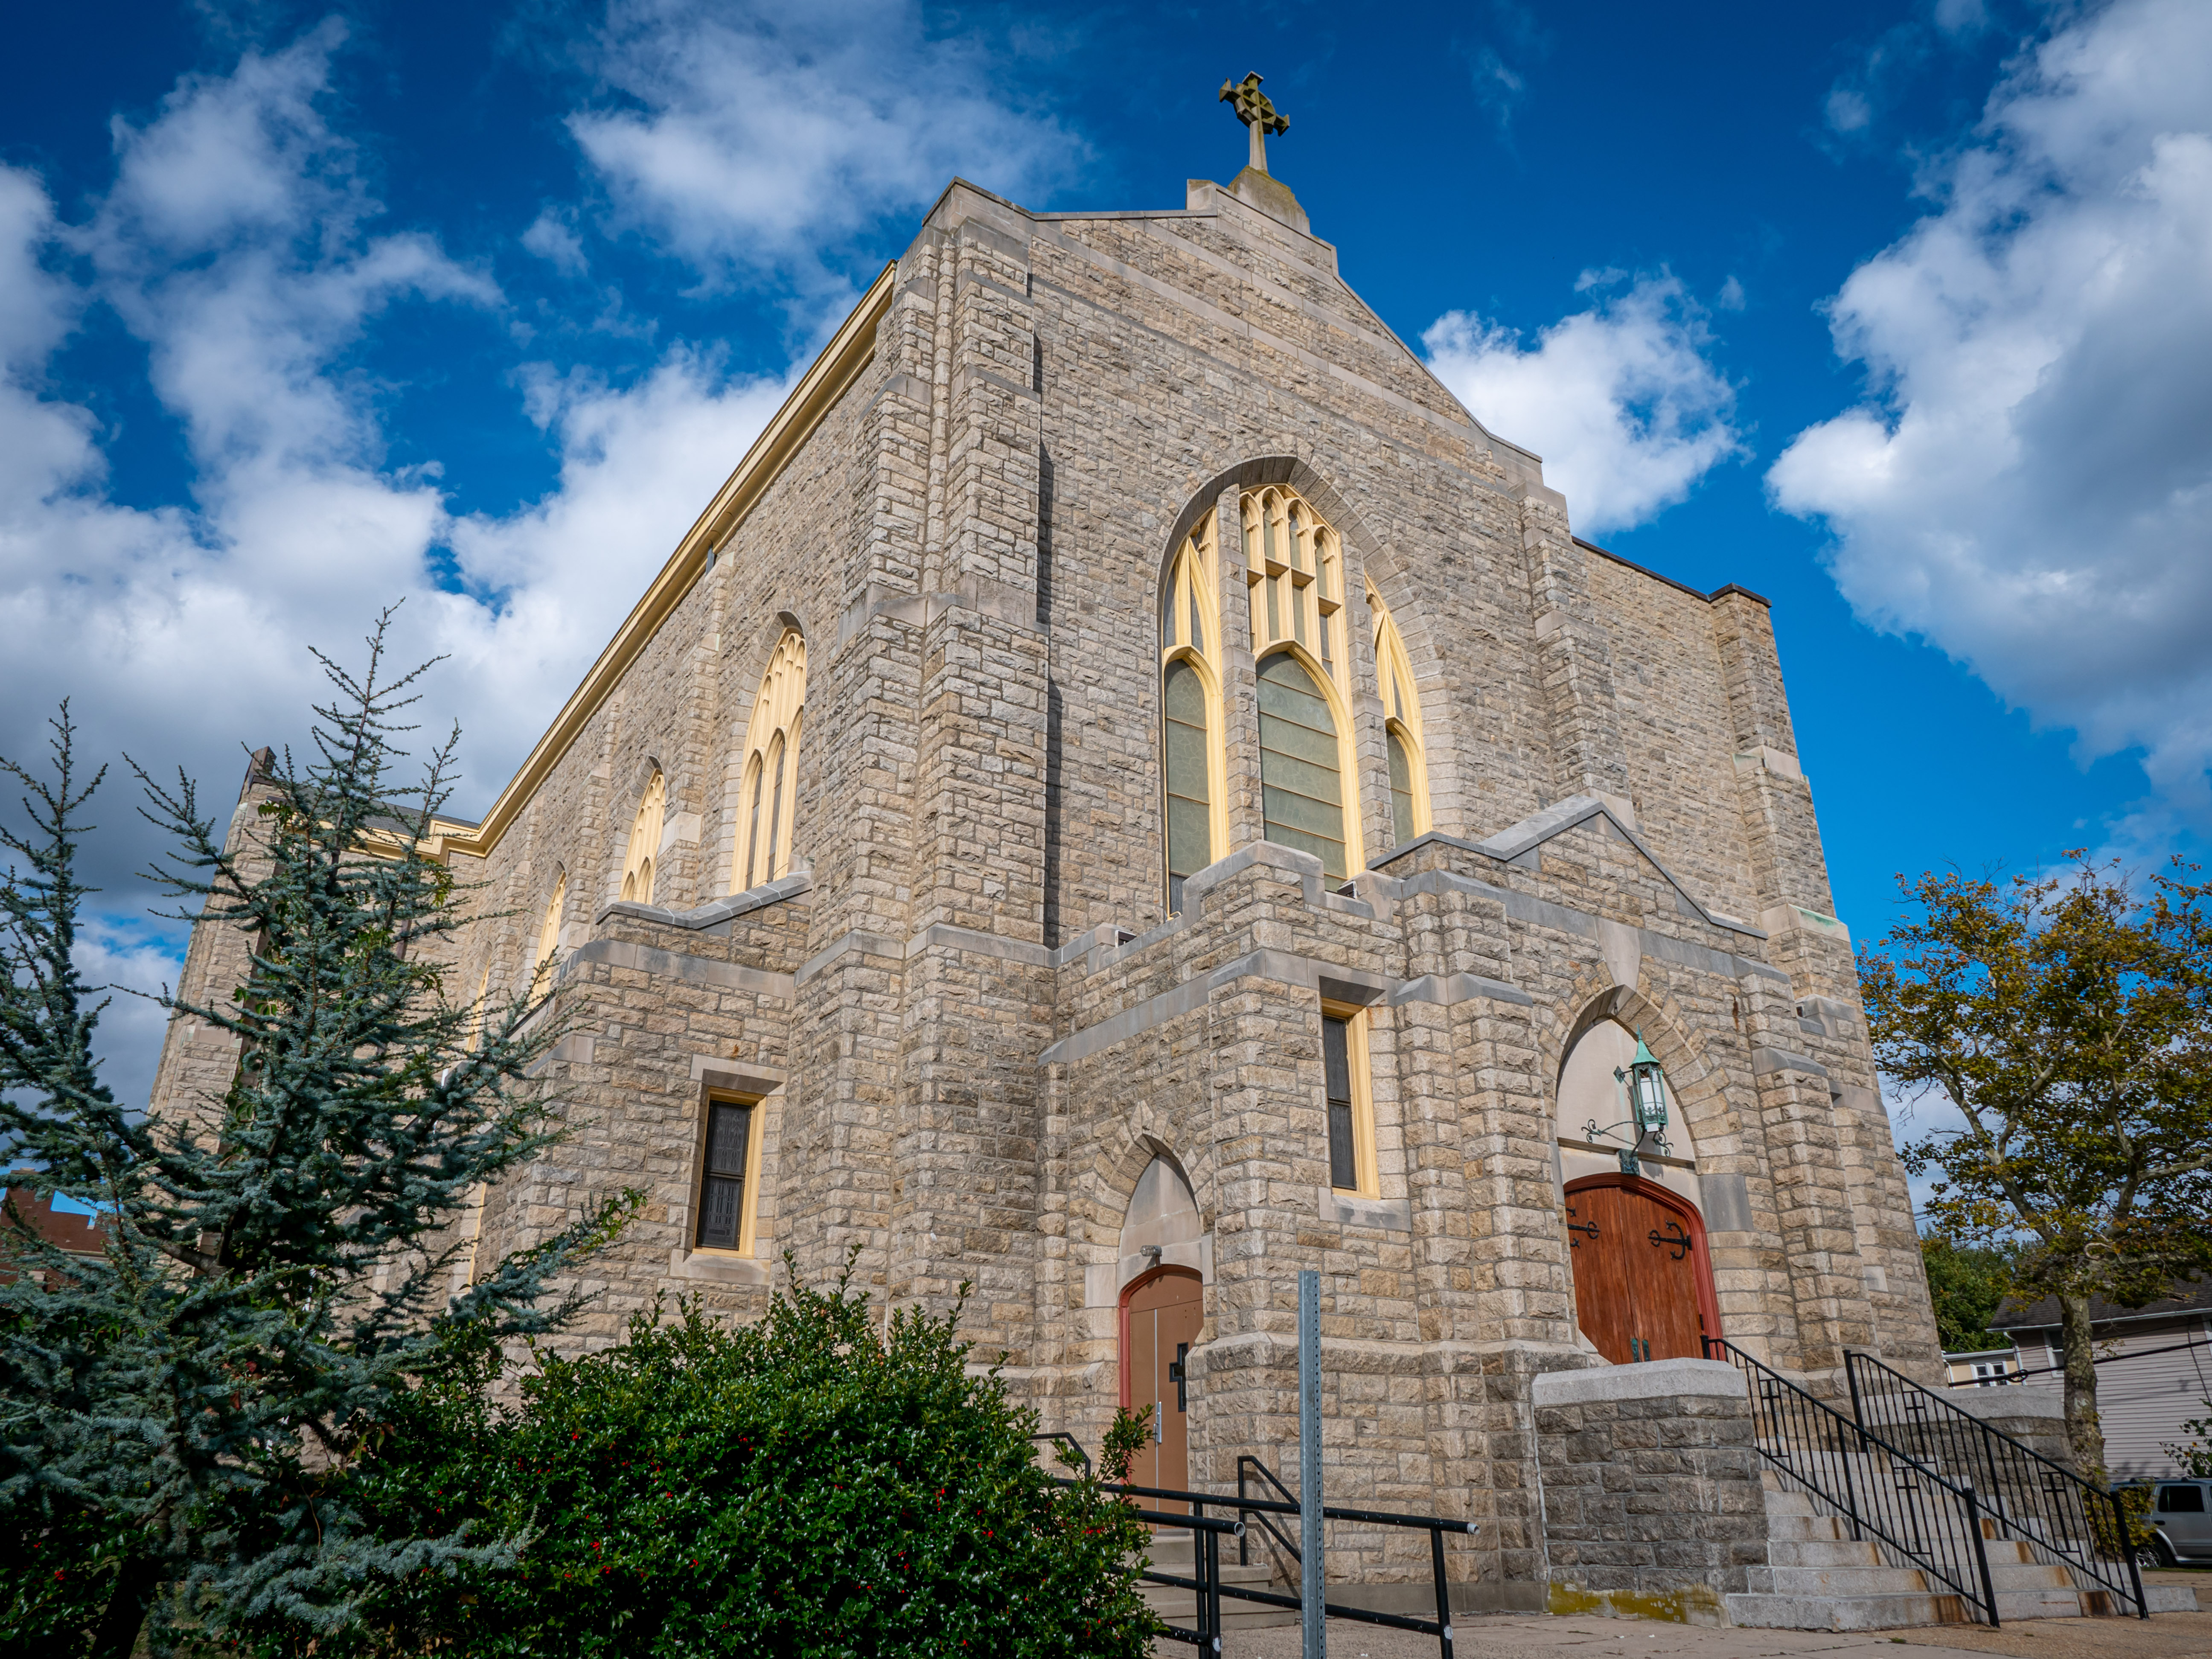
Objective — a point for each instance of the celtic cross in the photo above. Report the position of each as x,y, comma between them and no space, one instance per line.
1257,111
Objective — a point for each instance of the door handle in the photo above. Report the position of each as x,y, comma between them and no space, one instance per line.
1175,1375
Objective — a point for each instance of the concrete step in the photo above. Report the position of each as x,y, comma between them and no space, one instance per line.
2048,1602
1821,1553
2170,1598
1890,1612
1837,1581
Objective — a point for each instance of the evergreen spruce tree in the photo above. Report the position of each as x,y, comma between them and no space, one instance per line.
179,1414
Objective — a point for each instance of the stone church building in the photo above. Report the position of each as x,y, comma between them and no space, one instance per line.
1130,791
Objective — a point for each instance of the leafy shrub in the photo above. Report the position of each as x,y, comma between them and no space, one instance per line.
812,1484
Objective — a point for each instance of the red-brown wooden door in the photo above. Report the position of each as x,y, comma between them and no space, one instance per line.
1642,1283
1159,1327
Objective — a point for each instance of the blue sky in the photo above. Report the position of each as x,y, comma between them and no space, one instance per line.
1897,314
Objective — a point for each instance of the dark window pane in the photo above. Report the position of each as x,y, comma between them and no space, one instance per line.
1336,1066
1336,1057
2181,1500
722,1201
727,1131
1343,1170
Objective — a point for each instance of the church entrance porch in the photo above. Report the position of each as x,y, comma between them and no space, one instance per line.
1160,1317
1643,1284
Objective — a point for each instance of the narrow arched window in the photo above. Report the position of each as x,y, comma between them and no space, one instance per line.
1190,734
771,767
1301,786
548,931
1401,790
645,842
775,800
1401,726
1190,815
756,781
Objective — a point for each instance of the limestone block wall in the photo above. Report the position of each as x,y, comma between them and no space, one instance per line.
1653,1506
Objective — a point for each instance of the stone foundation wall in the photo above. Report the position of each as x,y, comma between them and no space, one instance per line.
1652,1503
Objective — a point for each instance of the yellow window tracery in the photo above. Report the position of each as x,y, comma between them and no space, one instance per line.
1191,765
645,842
768,786
1401,726
1294,577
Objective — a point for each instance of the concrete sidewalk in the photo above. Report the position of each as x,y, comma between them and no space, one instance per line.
2164,1636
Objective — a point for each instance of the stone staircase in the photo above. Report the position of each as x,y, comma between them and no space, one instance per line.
1818,1577
1173,1551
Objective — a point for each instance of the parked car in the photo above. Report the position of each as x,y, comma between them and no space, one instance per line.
2181,1513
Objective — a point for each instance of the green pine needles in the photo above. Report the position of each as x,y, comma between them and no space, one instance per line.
180,1422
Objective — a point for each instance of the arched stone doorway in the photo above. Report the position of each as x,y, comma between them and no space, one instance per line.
1643,1282
1162,1263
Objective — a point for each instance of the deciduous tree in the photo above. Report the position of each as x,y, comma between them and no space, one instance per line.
2067,1018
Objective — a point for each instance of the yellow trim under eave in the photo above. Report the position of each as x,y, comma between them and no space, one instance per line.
850,350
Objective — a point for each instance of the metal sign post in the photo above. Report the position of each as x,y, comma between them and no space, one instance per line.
1313,1576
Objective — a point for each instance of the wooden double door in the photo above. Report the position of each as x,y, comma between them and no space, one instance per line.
1159,1327
1643,1284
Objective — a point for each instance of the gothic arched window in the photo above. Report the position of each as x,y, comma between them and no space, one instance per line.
644,842
1401,728
1190,738
768,786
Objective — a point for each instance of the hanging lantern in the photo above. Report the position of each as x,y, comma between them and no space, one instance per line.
1647,1091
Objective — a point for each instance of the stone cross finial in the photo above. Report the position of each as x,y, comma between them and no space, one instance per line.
1257,111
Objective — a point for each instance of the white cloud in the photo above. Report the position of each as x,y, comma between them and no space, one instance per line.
1621,400
2028,483
240,245
1848,110
743,138
552,238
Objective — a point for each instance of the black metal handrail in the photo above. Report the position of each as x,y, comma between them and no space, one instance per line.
2067,1520
1070,1443
1933,1523
1206,1533
1282,1540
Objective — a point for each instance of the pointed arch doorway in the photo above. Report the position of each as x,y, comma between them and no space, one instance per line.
1643,1282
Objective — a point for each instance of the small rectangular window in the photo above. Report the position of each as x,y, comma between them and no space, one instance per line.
1336,1062
2181,1500
722,1188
